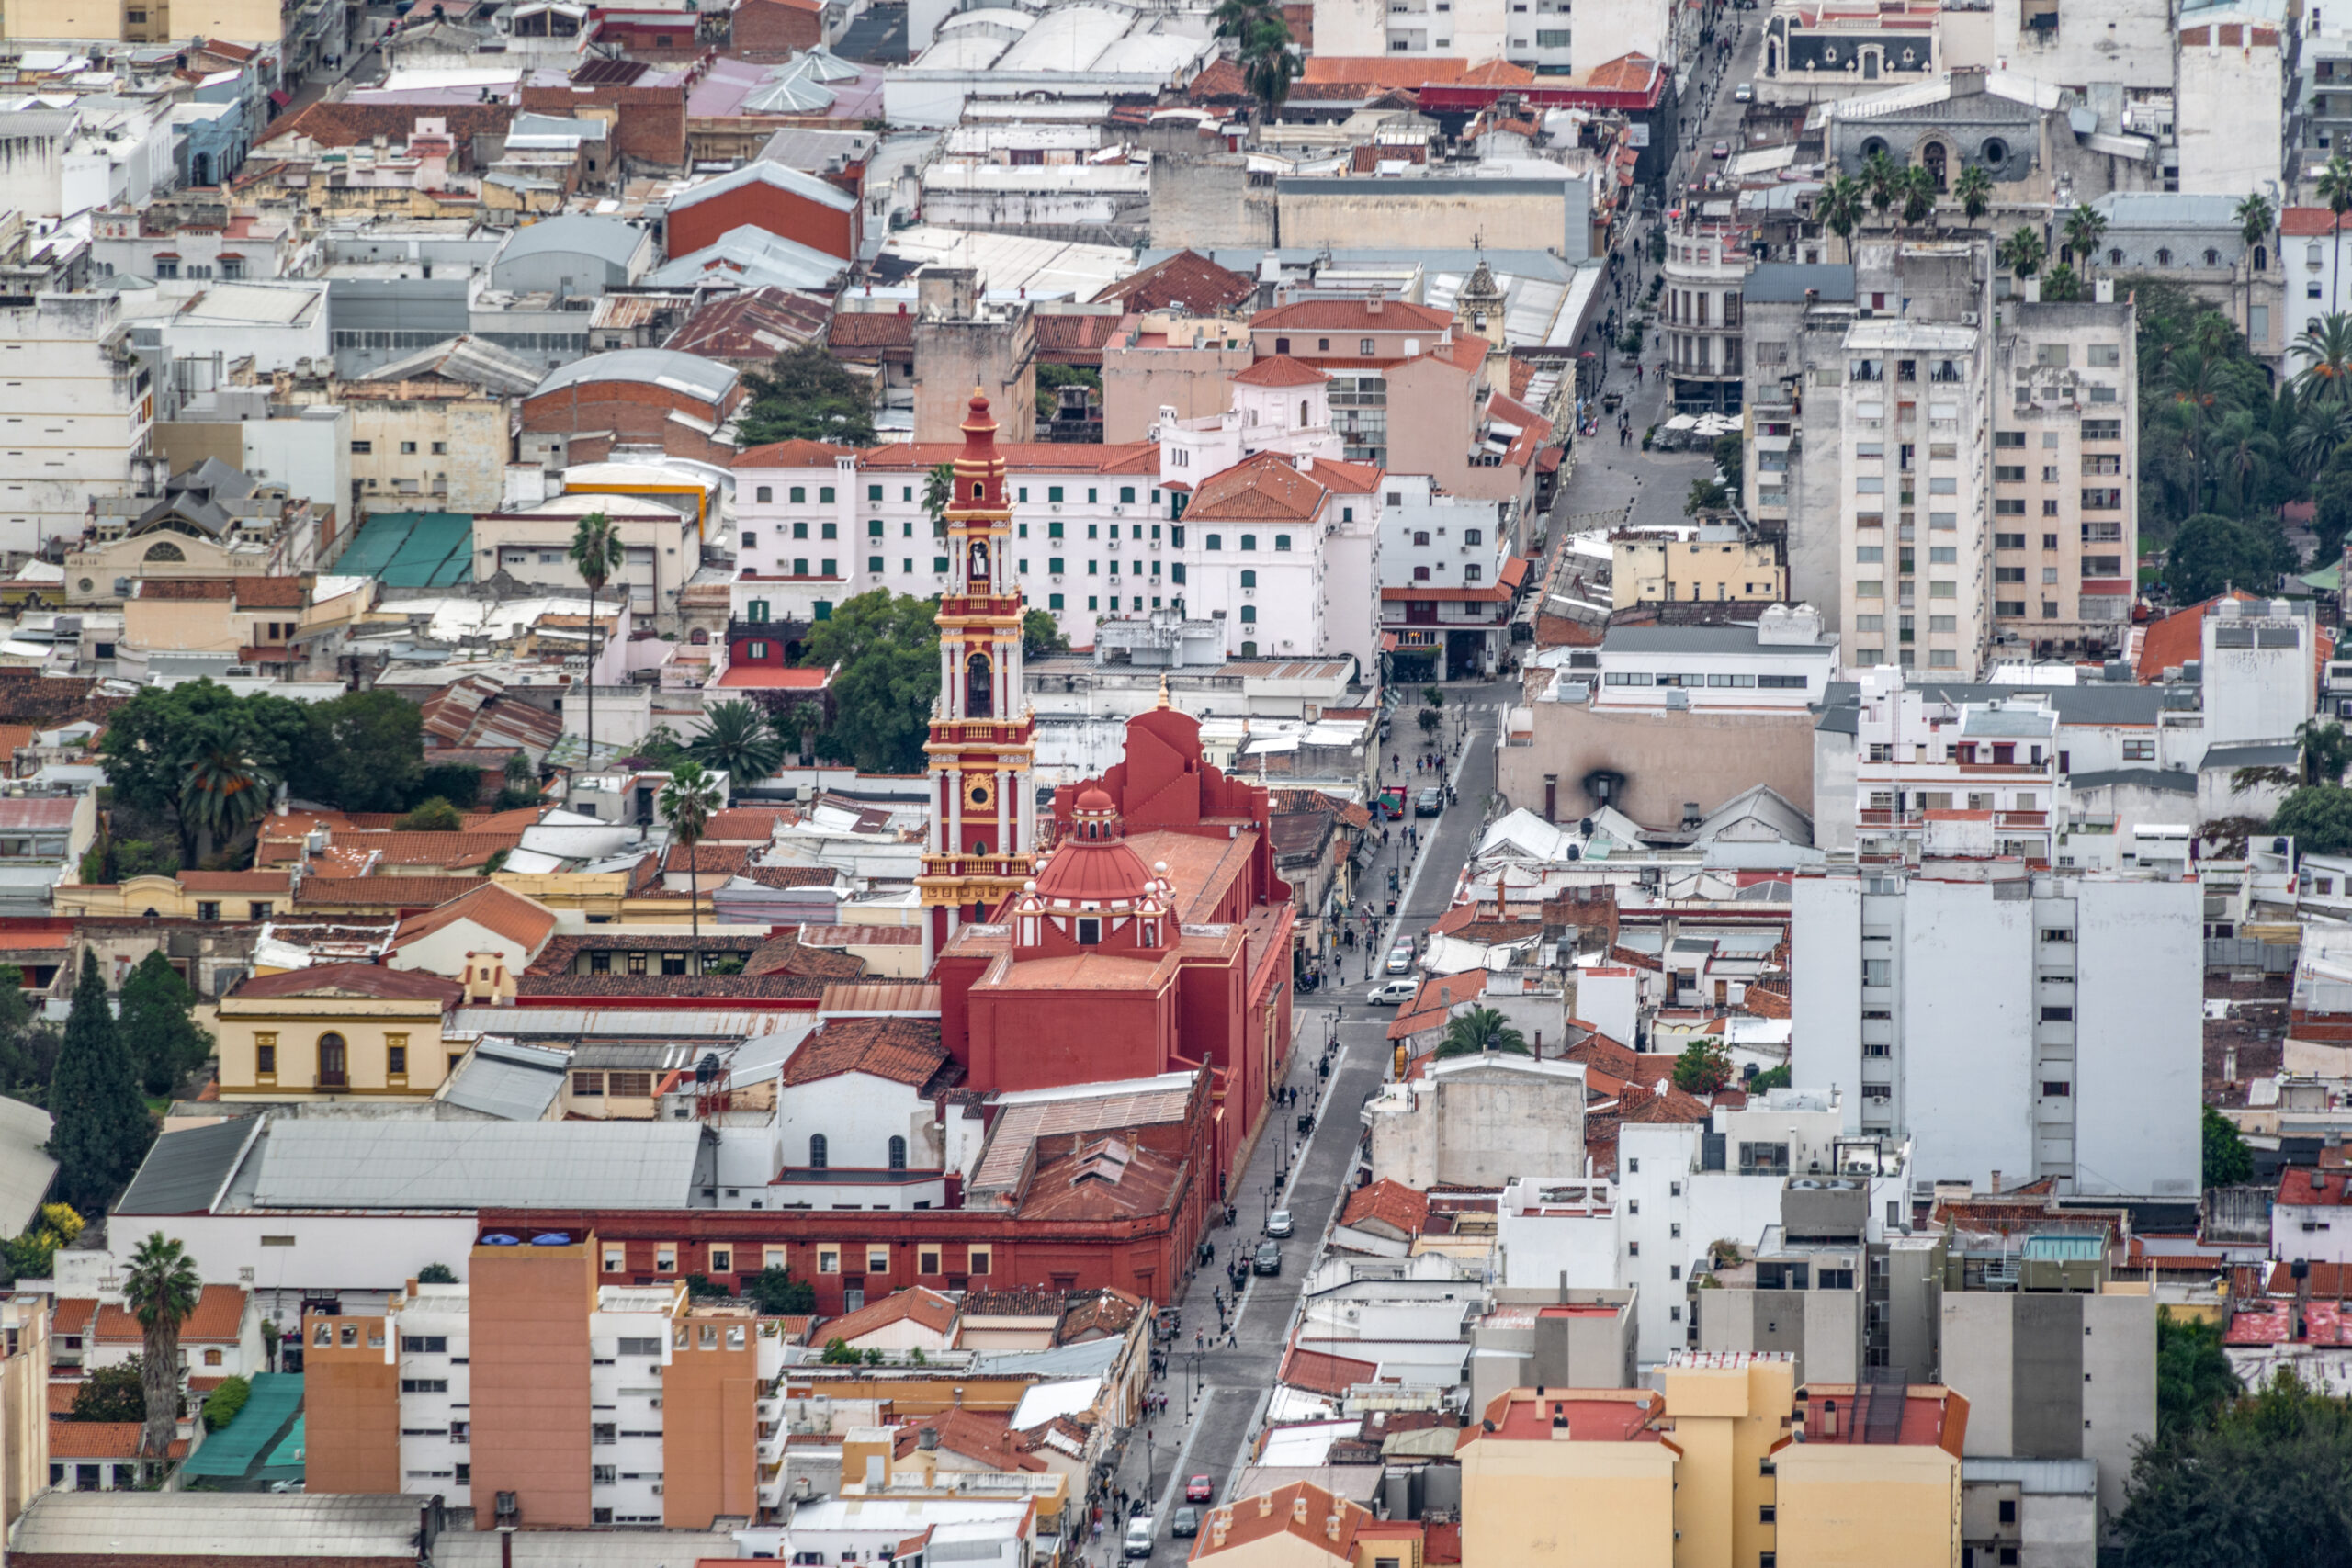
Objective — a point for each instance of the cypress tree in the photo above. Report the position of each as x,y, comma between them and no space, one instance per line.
157,1024
102,1126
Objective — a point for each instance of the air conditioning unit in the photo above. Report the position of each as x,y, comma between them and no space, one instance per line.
657,1489
1968,318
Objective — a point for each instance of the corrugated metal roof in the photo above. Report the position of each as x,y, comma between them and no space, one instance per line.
176,1526
610,1024
186,1171
25,1172
475,1165
512,1082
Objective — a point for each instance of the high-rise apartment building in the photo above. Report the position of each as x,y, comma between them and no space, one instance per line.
77,407
2018,1024
1700,312
549,1400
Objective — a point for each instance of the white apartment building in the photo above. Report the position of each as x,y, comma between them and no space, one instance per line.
1913,433
2065,491
1945,777
1537,34
1684,1185
1699,319
77,408
2012,1022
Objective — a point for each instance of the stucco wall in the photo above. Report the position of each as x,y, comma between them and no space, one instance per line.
1666,759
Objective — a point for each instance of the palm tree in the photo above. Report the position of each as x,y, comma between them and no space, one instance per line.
2062,284
2327,751
1240,20
2084,226
161,1287
939,494
1479,1031
2319,429
2023,252
1840,208
2255,220
737,741
2326,353
2335,188
1975,188
1917,188
2242,453
800,722
1269,67
1878,177
686,802
222,793
595,554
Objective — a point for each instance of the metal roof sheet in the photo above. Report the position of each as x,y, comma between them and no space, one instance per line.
512,1082
704,378
186,1171
176,1526
474,1165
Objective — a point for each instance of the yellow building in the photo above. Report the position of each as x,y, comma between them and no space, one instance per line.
24,1403
1717,563
1729,1466
1871,1476
190,896
1570,1478
335,1030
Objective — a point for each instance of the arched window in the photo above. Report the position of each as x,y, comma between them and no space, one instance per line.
1248,578
1249,541
1931,157
764,492
165,550
699,637
976,489
1301,411
1421,535
979,697
898,1153
2213,256
2164,257
2114,255
334,1061
2262,258
817,1151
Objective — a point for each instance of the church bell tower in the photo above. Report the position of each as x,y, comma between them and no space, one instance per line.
983,742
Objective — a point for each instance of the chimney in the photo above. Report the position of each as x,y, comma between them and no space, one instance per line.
1331,1527
1298,1508
1265,1504
1828,1418
927,1440
1996,1184
2230,1064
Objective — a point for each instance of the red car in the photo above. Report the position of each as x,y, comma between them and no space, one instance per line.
1200,1489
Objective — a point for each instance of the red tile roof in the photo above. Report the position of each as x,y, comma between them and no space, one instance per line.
1221,82
1318,1374
1301,1510
916,1304
1279,370
2305,1187
2178,638
1267,488
383,891
235,881
271,592
490,907
1187,278
904,1050
92,1440
219,1319
1353,315
870,330
350,980
1401,1208
2303,222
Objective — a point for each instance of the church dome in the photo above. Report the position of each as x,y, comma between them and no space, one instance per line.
1093,864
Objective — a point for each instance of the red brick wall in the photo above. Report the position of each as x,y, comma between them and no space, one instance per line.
651,124
599,414
764,206
772,29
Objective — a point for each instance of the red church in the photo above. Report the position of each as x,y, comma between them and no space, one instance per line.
1154,938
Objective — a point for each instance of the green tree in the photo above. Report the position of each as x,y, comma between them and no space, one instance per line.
365,751
437,1274
686,803
1916,188
2227,1161
2063,286
2318,817
1880,177
1040,634
2268,1483
2335,190
2212,554
220,1406
595,553
1706,495
938,495
1731,459
522,783
102,1126
161,1288
807,395
800,725
837,1353
737,740
435,815
112,1393
150,740
2193,1377
887,648
776,1293
1703,1068
224,793
2255,220
1269,68
2023,252
1480,1032
158,1024
2327,751
2083,229
455,783
1840,208
1975,188
1771,1077
31,1253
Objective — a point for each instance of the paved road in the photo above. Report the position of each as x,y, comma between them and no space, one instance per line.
1218,1393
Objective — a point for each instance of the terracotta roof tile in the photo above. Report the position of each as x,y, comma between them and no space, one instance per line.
1353,315
926,1307
1279,370
349,980
1392,1203
330,124
90,1440
1318,1374
272,592
219,1319
904,1050
869,330
1222,82
1187,278
383,891
784,954
1301,1510
1267,488
490,907
1105,1312
183,589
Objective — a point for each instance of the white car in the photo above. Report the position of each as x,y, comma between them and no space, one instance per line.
1395,993
1400,959
1743,94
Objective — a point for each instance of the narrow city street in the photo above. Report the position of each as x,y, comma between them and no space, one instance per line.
1216,1392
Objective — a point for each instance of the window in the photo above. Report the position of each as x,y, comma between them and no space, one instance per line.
615,1257
425,1386
396,1061
1282,541
977,1259
604,1433
829,1261
362,448
817,1151
1366,347
722,1260
2056,1090
877,1261
825,494
927,1261
2057,1014
265,1055
424,1344
898,1153
665,1258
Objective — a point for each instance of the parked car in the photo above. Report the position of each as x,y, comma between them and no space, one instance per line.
1184,1523
1200,1489
1720,150
1139,1534
1268,1259
1400,959
1430,802
1278,1223
1395,993
1743,94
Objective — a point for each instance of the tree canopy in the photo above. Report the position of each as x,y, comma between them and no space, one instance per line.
2228,1162
2193,1377
807,395
102,1126
1479,1031
158,1025
886,647
2318,817
1703,1068
2212,554
2265,1483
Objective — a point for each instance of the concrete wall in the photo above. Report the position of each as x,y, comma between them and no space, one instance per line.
1348,212
1211,200
2054,1376
1666,759
1822,1329
2139,1038
1480,1124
